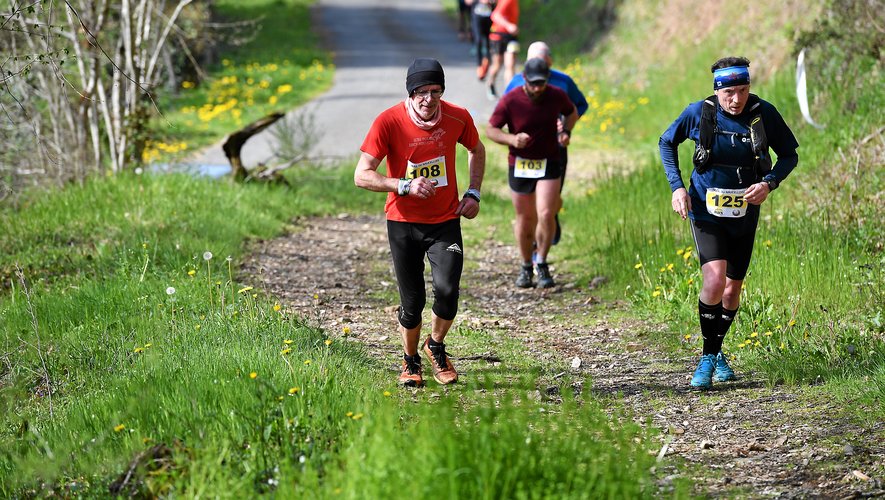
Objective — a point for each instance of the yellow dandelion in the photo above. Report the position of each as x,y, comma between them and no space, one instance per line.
783,346
276,308
225,62
638,266
146,440
279,398
663,269
669,267
197,327
244,290
328,342
287,341
119,428
306,361
138,350
754,335
741,345
346,330
680,251
767,334
253,375
348,414
272,100
690,281
191,272
387,394
656,293
687,336
357,416
187,85
767,243
792,322
757,344
642,100
316,296
686,255
148,345
294,390
285,351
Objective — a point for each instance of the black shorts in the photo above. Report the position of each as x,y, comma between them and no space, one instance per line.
499,43
442,244
527,186
715,242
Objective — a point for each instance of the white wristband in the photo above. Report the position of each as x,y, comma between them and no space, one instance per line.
402,188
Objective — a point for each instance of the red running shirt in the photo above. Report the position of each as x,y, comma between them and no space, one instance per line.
394,136
509,9
536,118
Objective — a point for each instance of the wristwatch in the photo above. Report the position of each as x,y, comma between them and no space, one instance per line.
772,183
473,193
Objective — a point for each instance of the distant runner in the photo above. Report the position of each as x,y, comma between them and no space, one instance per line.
733,130
418,137
504,42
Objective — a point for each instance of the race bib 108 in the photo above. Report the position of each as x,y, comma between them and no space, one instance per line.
431,169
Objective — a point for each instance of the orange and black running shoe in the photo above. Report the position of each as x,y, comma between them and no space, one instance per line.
411,374
443,371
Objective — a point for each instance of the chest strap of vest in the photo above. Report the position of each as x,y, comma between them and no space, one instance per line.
707,133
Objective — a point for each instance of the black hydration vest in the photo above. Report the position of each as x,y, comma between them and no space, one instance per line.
708,130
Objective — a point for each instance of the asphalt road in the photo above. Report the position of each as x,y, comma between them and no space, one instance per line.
373,42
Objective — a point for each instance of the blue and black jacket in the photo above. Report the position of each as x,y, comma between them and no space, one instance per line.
732,160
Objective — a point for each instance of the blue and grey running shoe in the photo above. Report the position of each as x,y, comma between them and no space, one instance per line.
703,375
724,373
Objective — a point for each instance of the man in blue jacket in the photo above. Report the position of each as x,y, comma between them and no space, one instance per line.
563,81
733,176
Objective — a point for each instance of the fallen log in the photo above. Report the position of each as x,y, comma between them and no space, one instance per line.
236,140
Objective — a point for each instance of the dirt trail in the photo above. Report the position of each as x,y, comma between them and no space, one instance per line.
738,439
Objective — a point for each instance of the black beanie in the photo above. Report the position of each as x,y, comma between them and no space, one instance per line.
424,72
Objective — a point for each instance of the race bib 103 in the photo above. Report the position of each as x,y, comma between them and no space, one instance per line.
525,168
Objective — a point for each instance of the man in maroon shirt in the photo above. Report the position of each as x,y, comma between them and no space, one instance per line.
530,114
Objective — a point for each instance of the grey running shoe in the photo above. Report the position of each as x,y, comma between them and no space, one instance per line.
524,280
544,278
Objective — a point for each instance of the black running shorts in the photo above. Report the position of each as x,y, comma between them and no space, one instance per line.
527,186
715,242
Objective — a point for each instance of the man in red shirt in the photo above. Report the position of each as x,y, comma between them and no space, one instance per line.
530,113
418,137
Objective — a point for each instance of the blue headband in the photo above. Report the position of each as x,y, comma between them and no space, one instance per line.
731,76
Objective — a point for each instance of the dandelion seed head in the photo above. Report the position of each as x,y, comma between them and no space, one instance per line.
207,255
170,291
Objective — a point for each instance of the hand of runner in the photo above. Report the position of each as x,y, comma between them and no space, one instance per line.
681,202
520,140
422,188
468,207
757,193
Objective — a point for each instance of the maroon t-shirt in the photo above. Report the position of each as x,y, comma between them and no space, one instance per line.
536,118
